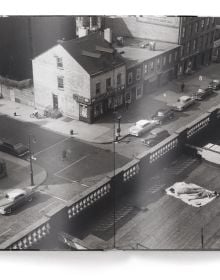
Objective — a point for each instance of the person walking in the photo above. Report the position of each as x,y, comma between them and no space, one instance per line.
64,155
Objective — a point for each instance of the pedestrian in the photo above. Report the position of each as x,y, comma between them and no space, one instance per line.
64,154
15,114
182,87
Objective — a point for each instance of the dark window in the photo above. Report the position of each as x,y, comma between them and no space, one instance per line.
202,23
196,27
59,62
130,78
60,82
119,79
98,88
108,83
138,74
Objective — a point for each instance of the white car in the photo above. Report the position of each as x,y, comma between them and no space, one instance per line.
142,126
183,102
15,198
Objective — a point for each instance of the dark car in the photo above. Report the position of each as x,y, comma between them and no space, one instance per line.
215,84
163,115
202,93
14,148
15,198
156,135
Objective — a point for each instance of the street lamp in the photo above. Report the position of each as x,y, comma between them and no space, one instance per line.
30,157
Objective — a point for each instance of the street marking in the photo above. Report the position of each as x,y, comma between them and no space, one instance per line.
5,231
82,158
47,206
72,181
46,149
54,196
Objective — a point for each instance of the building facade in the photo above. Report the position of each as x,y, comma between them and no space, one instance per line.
196,36
83,78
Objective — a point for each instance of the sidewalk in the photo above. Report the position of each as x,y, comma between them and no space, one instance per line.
102,130
18,173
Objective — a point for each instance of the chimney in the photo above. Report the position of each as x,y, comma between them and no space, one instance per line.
108,35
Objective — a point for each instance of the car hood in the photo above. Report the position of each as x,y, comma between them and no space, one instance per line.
5,202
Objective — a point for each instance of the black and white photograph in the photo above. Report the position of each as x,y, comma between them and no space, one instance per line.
109,132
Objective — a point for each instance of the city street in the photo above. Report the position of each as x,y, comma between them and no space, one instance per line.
83,163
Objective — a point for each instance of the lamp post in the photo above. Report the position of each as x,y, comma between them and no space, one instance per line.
30,158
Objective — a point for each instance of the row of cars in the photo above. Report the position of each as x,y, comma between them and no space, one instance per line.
156,135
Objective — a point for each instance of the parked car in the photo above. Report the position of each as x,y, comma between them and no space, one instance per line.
14,148
215,84
155,136
141,127
202,93
15,198
183,102
163,115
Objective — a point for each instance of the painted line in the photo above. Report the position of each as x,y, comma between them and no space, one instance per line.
48,148
72,181
47,206
51,195
5,231
75,162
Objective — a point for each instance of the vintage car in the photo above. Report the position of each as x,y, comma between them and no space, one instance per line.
155,136
215,84
182,103
163,115
142,127
15,198
14,148
202,93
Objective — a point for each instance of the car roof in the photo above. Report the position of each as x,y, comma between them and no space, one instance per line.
184,97
15,192
142,122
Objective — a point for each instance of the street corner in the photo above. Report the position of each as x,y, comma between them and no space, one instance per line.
18,173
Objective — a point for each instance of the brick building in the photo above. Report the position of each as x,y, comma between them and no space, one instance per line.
83,78
194,34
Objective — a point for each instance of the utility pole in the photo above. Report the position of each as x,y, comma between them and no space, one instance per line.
30,158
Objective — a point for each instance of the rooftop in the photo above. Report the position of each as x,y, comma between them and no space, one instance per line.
136,50
93,53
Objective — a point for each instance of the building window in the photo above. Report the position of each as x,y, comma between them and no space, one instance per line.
164,60
158,63
183,32
98,88
60,82
175,55
213,21
145,68
138,74
138,92
207,22
59,62
202,23
190,29
170,58
130,78
108,83
119,79
181,51
194,45
187,47
196,27
152,66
